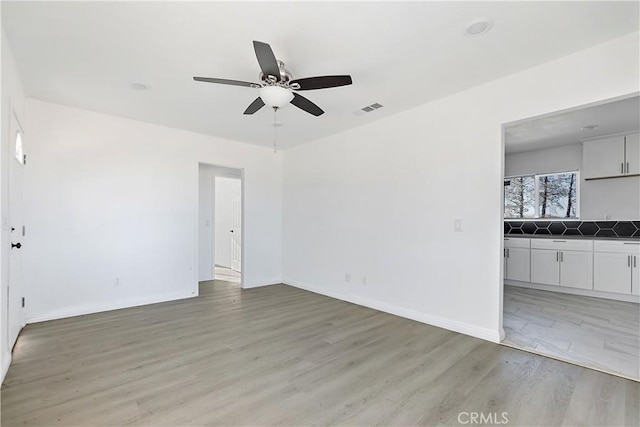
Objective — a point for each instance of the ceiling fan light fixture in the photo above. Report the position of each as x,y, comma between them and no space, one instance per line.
276,96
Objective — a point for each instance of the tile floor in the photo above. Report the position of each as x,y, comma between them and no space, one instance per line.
592,332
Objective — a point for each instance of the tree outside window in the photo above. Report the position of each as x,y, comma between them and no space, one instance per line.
542,196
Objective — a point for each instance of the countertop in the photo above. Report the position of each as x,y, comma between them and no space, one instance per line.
548,236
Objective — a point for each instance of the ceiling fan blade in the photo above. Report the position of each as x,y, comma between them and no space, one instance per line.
322,82
266,59
255,106
225,81
304,104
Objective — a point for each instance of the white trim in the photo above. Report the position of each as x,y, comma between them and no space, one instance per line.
80,311
574,291
441,322
6,362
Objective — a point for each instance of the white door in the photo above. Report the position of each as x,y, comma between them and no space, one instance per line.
604,157
635,275
576,269
545,266
518,264
15,316
632,153
236,228
612,272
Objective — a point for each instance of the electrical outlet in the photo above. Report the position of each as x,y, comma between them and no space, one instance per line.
116,282
347,277
457,224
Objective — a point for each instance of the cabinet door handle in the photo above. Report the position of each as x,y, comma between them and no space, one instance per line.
634,261
627,167
557,256
507,252
621,167
629,261
561,256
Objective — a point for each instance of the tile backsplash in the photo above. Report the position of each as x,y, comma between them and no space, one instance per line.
574,228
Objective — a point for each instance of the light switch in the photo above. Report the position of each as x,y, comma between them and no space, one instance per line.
457,224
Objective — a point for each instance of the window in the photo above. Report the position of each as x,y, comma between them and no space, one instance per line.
552,195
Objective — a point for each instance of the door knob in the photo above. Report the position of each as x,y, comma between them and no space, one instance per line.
16,245
230,231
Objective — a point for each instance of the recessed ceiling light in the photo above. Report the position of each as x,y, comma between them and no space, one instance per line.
478,27
589,127
139,86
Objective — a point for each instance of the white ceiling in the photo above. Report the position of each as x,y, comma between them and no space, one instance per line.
565,127
400,54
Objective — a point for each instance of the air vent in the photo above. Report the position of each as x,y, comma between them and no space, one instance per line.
372,107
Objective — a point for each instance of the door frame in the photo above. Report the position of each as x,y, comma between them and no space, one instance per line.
196,221
503,131
14,116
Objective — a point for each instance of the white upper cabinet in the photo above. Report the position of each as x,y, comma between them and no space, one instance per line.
632,154
611,157
603,158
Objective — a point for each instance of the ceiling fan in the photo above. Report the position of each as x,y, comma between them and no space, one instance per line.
277,85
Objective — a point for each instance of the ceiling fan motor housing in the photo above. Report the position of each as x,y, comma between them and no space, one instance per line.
285,78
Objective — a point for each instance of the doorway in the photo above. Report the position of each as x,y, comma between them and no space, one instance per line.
571,204
220,224
228,228
14,291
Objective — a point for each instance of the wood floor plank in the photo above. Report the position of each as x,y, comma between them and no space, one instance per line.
283,356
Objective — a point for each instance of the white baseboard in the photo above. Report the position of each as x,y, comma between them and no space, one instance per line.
79,311
574,291
6,362
441,322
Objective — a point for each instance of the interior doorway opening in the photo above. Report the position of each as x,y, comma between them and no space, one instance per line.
571,235
220,224
227,229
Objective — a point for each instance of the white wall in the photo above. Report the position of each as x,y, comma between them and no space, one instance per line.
108,198
205,222
225,190
12,94
619,198
380,200
559,159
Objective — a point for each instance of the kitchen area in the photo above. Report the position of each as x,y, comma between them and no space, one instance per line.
571,258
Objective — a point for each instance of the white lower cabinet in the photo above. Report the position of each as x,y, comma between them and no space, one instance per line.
545,266
615,267
517,262
576,269
562,262
606,266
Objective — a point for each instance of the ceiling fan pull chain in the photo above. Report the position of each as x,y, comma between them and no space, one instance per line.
275,130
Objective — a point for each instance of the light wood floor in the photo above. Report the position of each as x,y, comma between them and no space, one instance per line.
283,356
595,332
